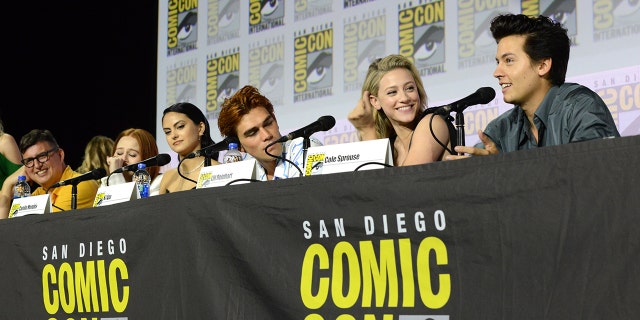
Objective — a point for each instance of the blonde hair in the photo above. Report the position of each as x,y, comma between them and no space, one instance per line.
96,153
377,69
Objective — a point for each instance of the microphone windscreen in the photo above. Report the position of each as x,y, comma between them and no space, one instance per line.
163,159
99,173
327,122
486,94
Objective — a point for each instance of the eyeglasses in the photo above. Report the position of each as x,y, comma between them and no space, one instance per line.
42,158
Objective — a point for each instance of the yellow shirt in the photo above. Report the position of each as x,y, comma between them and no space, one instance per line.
61,196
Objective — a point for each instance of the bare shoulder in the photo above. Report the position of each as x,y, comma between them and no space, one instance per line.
6,138
167,177
429,121
9,148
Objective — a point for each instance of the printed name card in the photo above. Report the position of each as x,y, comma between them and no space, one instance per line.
222,174
30,205
345,157
108,195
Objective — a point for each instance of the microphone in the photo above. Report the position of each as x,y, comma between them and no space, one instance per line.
481,96
208,151
159,160
323,123
94,174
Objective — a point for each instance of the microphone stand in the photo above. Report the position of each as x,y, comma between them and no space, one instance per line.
74,196
306,142
460,129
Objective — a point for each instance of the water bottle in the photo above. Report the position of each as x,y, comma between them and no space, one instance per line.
22,188
233,154
142,178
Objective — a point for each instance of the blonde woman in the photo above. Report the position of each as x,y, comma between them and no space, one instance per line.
392,105
96,153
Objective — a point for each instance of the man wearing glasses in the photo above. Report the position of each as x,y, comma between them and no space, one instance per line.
43,164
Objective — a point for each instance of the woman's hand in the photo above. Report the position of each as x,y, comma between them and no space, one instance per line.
361,117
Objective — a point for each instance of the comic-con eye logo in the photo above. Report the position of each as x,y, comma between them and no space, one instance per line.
229,14
98,200
187,93
228,86
205,180
182,21
270,7
14,209
260,10
315,162
271,80
187,27
426,46
619,17
561,11
223,20
371,51
316,168
483,36
627,8
319,71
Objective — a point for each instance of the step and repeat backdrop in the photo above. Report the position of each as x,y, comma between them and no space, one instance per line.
310,57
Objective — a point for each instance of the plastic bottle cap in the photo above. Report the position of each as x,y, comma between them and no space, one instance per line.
233,145
22,178
142,166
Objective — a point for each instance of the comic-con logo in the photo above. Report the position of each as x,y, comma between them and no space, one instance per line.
223,20
266,69
265,14
182,22
615,18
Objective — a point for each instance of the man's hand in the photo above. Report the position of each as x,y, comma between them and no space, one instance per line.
489,148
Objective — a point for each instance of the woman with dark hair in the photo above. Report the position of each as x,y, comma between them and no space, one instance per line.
187,130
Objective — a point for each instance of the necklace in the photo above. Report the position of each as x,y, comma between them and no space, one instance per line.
408,147
410,140
196,168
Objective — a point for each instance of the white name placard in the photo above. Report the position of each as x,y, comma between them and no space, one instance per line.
30,205
116,193
345,157
222,174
